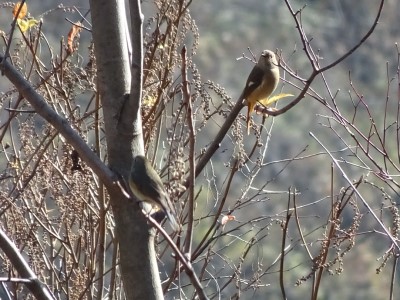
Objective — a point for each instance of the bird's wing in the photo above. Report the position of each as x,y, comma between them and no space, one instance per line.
156,186
253,81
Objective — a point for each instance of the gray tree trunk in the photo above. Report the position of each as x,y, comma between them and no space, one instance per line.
124,137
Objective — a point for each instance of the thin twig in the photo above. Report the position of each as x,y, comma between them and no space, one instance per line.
393,277
316,69
35,286
299,227
185,262
205,158
284,236
392,239
189,113
208,237
14,22
59,123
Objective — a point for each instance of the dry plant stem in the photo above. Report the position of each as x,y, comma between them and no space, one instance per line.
16,280
7,53
6,292
162,39
33,50
385,114
398,104
79,23
373,126
321,261
343,201
207,259
284,236
37,288
113,270
39,152
14,112
296,216
335,215
238,269
255,146
389,235
59,123
392,281
175,270
208,237
189,113
101,251
185,262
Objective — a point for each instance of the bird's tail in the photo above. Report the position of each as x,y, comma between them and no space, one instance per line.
172,220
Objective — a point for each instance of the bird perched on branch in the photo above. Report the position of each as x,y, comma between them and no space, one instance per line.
262,81
147,186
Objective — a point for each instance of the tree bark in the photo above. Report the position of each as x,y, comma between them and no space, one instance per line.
123,133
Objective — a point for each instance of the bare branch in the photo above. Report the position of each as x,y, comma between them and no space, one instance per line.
36,287
189,114
389,235
59,123
185,261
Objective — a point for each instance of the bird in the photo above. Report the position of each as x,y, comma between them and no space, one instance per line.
146,185
261,83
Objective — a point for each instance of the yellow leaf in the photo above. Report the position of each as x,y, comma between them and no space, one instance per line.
273,99
24,25
22,12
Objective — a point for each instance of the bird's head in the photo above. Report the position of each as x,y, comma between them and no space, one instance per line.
268,59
